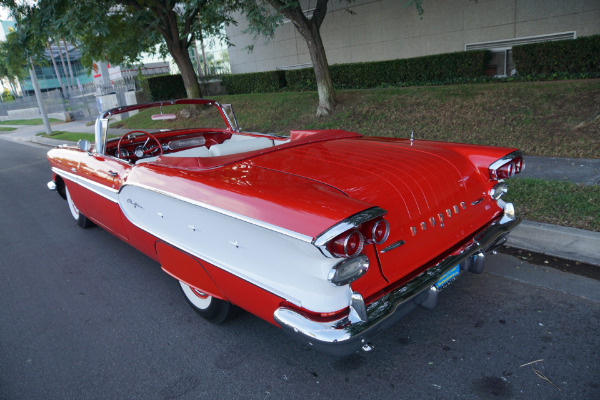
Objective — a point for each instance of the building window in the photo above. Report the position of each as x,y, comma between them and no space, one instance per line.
502,63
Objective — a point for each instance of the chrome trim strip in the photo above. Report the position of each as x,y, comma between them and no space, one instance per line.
240,217
393,246
349,223
101,190
344,336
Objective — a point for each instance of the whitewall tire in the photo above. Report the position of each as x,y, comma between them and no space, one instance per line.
81,219
209,307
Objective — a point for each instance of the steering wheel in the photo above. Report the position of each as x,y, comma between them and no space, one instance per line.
146,152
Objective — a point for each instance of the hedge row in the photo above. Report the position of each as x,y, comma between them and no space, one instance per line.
163,87
402,72
578,56
261,82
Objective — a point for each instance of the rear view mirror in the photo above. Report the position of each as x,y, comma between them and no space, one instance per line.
159,117
84,145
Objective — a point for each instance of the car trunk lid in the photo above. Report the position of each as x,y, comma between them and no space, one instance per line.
432,194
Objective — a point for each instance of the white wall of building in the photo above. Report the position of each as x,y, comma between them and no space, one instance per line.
389,29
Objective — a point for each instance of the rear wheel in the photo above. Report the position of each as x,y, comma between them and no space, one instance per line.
81,219
210,308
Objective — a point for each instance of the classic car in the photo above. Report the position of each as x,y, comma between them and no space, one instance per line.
327,234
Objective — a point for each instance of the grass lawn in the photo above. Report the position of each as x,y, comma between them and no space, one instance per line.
554,119
556,202
34,121
71,136
559,118
6,129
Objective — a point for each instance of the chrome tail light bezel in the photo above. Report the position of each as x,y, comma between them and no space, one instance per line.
350,224
507,166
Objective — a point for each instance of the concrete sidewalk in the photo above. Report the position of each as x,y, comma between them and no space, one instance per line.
563,242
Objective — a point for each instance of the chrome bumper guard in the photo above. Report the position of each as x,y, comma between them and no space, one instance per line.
345,336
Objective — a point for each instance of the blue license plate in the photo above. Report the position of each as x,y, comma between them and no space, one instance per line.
447,277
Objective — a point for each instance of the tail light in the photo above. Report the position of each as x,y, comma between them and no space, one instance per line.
346,240
377,231
348,244
348,270
507,166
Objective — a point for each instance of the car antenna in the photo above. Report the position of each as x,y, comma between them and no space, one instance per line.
412,137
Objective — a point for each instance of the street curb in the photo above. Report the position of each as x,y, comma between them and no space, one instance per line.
558,241
50,142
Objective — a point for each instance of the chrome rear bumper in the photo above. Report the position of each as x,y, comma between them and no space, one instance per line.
344,336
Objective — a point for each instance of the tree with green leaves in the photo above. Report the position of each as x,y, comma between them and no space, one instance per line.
265,15
121,31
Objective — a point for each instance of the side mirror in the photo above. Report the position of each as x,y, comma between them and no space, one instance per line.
84,145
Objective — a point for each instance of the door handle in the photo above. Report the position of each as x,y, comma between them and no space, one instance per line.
113,173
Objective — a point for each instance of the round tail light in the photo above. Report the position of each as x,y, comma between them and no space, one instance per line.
348,244
380,231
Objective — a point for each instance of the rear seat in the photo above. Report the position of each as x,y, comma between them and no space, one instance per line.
237,144
240,144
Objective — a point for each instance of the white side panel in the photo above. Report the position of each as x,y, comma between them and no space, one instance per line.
286,266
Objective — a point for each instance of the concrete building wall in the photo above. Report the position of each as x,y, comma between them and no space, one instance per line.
389,29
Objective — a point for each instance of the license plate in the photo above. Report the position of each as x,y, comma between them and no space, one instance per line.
448,277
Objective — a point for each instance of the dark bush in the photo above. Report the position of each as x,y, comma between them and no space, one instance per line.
256,82
163,87
434,69
577,56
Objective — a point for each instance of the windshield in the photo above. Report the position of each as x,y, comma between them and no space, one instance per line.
169,117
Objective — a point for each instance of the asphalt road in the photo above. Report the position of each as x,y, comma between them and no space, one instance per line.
85,316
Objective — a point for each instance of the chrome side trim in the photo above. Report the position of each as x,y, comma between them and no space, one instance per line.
344,336
349,223
393,246
266,225
99,189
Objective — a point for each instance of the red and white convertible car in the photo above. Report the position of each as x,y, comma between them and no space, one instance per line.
329,235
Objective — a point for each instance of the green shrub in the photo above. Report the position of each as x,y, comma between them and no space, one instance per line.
163,87
256,82
578,56
434,69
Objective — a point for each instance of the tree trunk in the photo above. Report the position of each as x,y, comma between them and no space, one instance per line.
204,56
62,60
62,87
322,74
310,31
199,67
13,87
69,63
184,62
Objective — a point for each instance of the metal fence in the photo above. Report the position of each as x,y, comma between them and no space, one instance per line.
80,105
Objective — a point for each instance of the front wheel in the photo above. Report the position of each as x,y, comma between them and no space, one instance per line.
81,219
210,308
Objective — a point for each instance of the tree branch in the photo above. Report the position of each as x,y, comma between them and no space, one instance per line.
319,13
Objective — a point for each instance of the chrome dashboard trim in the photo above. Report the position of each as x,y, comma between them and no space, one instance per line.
344,336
